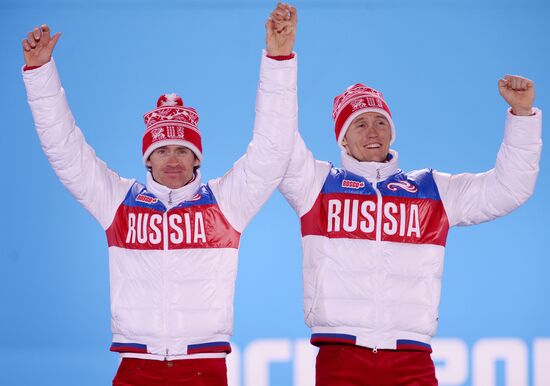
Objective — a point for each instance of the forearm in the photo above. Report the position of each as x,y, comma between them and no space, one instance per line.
246,187
74,161
474,198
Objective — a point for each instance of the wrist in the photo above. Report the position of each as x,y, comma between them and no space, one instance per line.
36,62
278,51
522,111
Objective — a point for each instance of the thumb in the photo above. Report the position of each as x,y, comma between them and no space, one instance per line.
55,38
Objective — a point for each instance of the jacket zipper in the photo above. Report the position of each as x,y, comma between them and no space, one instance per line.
378,208
378,241
163,267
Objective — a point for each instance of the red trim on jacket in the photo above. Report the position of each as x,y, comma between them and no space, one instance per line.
281,57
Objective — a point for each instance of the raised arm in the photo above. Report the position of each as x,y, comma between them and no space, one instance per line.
304,177
89,180
245,188
475,198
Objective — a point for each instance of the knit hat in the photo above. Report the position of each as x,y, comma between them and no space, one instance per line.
171,123
356,100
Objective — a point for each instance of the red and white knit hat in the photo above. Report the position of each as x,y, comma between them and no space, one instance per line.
356,100
171,123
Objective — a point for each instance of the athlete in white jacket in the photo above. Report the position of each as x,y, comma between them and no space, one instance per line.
173,242
373,236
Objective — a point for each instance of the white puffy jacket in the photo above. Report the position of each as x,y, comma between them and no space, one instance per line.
374,237
173,253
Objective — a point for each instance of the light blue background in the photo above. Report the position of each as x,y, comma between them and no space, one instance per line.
437,63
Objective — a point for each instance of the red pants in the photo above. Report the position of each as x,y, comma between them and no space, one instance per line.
344,365
186,372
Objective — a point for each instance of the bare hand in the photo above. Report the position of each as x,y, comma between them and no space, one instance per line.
280,30
38,46
518,92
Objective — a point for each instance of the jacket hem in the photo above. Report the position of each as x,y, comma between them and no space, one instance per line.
322,339
189,349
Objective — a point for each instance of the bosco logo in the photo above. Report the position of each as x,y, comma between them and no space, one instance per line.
353,184
146,199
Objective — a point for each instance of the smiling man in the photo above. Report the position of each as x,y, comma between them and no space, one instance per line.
368,137
173,242
373,236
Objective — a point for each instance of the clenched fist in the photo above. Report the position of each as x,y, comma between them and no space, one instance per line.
518,92
39,45
280,30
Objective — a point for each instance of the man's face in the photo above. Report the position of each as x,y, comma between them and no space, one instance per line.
368,138
172,165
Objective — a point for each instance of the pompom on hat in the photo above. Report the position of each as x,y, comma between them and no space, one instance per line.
356,100
171,123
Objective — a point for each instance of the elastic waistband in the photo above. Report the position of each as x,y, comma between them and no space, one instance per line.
137,348
321,339
186,363
198,348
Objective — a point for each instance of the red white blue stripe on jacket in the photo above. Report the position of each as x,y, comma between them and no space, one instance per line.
408,211
143,222
401,344
200,348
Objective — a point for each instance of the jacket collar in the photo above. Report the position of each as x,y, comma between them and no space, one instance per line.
371,171
172,197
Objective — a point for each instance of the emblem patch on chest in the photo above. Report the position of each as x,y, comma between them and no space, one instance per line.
405,185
